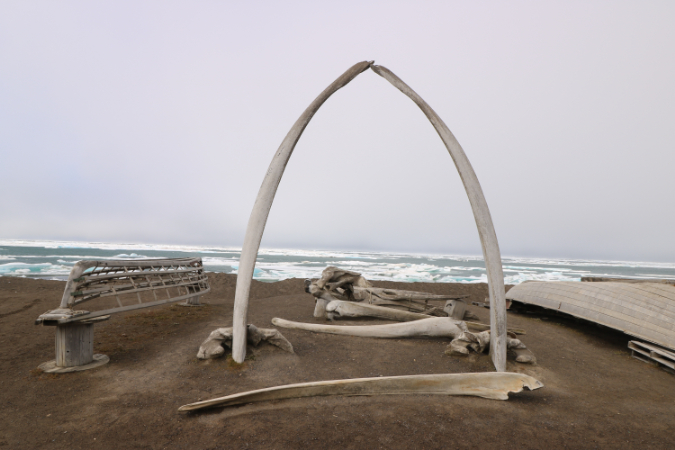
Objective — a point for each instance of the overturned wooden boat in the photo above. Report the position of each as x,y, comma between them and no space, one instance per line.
645,310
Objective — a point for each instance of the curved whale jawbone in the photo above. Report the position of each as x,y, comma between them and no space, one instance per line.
490,385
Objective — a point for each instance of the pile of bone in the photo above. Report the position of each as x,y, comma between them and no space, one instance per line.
345,294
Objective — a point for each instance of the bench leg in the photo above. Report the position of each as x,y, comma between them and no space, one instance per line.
74,344
74,349
192,301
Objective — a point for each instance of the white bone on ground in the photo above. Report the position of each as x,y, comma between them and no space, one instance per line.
432,327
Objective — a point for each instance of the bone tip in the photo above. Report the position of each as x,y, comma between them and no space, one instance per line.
534,384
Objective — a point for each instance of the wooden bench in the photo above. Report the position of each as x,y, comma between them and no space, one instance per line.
134,284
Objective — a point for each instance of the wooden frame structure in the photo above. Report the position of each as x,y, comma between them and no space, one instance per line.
140,283
263,203
645,310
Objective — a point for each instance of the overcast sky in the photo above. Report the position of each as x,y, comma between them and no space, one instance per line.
156,122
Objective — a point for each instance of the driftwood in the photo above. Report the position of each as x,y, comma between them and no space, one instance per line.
481,212
214,346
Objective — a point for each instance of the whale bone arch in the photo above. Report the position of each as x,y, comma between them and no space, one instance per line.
268,189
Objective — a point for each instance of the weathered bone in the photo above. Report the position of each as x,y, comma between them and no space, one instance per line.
339,284
432,327
341,308
491,385
478,342
268,189
463,341
333,278
214,345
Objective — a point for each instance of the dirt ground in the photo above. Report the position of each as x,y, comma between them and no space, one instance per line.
595,396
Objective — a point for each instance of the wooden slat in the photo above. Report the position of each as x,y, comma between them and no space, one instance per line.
652,353
640,310
131,307
559,299
612,301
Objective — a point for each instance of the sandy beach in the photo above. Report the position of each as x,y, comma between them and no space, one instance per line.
595,396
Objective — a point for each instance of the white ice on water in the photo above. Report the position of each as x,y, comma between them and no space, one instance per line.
54,259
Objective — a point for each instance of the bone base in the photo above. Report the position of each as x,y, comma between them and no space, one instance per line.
214,346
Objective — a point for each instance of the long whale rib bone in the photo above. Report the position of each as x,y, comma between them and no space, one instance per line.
462,339
364,293
432,327
341,308
491,385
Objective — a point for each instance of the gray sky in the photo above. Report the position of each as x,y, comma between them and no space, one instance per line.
156,122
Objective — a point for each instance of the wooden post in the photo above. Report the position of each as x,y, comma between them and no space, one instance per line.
74,344
193,301
74,349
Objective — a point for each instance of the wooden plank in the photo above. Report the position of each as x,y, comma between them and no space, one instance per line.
665,362
561,300
74,344
131,307
602,309
604,303
629,280
625,293
655,349
141,273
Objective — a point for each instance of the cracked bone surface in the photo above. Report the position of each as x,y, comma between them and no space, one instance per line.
479,342
339,284
214,345
490,385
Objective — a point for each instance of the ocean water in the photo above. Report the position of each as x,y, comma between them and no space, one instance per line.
54,260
